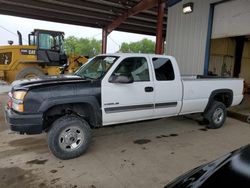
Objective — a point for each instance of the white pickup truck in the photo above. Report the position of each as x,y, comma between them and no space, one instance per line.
112,89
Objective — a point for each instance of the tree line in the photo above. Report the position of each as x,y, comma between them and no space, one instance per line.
92,47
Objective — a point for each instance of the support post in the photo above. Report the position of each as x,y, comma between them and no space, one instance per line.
240,41
163,45
209,37
159,29
104,40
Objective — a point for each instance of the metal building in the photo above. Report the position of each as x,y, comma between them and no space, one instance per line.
212,38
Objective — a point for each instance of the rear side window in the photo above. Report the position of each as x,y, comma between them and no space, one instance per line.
137,67
163,69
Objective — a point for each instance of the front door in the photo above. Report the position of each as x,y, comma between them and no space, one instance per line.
124,102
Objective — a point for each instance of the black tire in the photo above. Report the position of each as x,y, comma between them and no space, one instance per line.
216,115
63,137
25,72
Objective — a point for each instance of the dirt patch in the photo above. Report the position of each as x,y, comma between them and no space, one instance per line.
142,141
16,177
55,180
42,185
203,129
203,122
24,145
199,119
162,136
173,135
165,136
53,171
37,162
29,142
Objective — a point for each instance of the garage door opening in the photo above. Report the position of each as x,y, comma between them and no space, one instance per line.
230,57
229,54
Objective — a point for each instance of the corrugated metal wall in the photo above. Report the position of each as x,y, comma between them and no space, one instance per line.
187,35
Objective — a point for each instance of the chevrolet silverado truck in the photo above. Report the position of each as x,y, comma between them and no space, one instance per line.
113,89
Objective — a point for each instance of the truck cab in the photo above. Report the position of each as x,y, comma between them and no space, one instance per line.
155,79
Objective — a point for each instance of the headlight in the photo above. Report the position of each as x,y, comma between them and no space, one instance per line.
17,102
19,95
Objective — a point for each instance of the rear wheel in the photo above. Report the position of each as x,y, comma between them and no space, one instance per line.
216,115
69,137
29,72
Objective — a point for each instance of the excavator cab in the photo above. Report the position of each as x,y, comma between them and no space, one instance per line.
50,48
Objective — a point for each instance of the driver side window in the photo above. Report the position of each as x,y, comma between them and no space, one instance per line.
137,67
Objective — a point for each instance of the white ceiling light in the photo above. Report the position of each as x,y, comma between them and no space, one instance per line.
188,8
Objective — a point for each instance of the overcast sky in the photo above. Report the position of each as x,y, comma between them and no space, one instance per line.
25,26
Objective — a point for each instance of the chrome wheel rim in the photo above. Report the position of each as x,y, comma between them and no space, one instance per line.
218,115
71,138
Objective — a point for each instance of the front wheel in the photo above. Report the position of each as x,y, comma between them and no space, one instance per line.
216,115
69,137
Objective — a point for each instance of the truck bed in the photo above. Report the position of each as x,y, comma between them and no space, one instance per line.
197,90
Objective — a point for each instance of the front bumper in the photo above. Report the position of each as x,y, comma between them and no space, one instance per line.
24,123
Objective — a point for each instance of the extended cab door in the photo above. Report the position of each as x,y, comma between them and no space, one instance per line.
124,102
167,85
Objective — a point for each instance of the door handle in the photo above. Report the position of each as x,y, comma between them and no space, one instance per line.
149,89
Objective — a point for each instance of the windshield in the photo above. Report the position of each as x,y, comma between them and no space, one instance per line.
97,67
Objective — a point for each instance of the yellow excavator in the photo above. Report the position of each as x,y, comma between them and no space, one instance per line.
44,55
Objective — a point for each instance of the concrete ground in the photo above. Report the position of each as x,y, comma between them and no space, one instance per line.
244,108
145,154
242,111
4,87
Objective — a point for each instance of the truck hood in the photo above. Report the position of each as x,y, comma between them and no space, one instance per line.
46,80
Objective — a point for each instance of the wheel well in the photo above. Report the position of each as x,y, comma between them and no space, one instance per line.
223,95
83,110
225,98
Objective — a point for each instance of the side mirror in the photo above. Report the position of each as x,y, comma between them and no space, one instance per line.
121,79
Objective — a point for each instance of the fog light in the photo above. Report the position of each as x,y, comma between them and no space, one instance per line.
188,8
